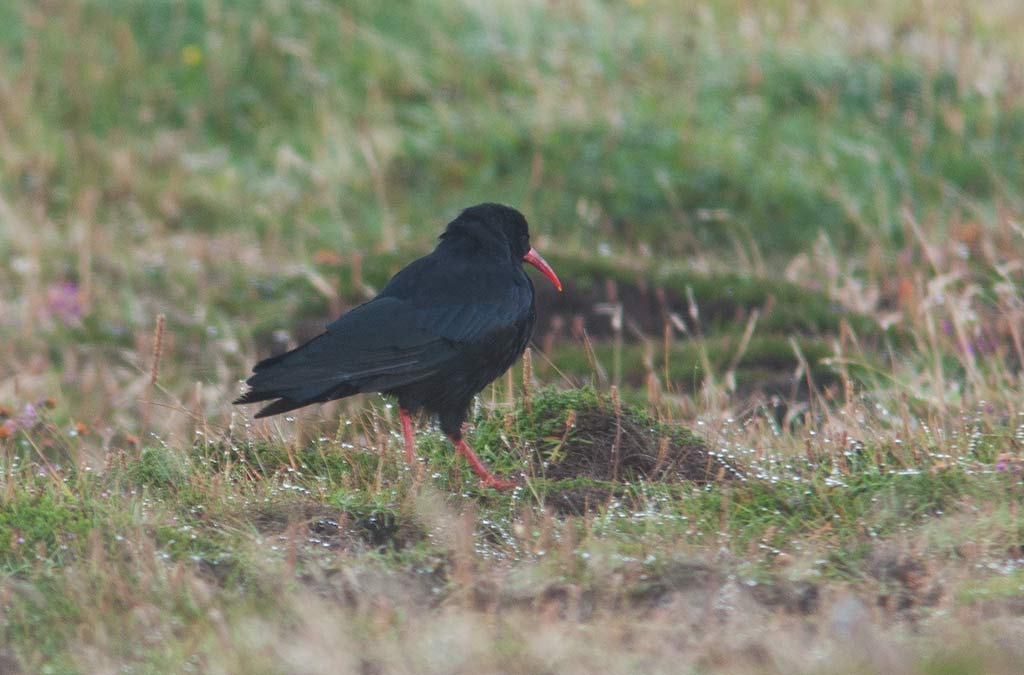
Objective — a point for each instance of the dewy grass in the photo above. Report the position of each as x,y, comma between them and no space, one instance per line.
792,247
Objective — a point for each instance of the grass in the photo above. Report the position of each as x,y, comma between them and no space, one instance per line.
772,425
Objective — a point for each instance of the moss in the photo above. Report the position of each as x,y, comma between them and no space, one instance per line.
42,526
159,467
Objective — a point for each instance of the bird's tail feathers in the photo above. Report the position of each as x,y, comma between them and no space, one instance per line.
296,380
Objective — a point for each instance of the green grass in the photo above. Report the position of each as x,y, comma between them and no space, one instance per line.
808,216
414,112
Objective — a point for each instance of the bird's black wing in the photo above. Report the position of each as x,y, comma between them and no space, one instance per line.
380,345
460,298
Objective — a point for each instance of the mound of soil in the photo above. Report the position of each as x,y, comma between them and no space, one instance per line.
587,451
600,445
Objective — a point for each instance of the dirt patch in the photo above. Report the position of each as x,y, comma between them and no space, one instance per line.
319,526
1012,607
657,589
792,597
9,664
906,582
703,592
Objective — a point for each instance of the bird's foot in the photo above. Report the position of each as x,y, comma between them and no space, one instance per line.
496,483
487,479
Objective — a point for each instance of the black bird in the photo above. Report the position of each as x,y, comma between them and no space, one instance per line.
441,330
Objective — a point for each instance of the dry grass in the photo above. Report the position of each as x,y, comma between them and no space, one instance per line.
187,186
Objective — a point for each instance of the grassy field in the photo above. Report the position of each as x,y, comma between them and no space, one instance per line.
774,423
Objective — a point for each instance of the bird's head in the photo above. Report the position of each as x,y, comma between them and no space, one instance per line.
501,229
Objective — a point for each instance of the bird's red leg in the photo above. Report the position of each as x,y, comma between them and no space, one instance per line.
487,478
410,445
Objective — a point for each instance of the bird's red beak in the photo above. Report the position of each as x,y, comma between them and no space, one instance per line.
534,259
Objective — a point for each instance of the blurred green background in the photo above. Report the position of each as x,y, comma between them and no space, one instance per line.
360,124
247,167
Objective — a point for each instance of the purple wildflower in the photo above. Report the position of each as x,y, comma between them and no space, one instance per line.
26,419
65,302
1006,462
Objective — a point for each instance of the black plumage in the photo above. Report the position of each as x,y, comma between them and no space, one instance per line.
441,330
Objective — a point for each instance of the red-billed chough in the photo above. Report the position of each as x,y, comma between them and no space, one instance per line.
441,330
